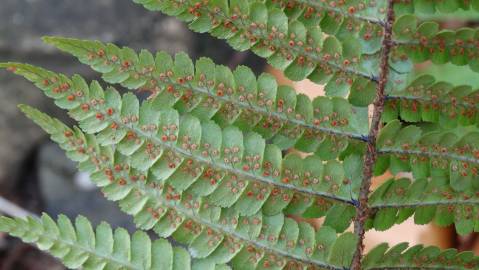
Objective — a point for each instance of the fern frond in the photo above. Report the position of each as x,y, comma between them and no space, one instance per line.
418,257
433,6
296,46
346,20
235,97
451,155
372,12
287,44
201,161
80,246
428,200
188,153
218,235
309,135
428,100
427,42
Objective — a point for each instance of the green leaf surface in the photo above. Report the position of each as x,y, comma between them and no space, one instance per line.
231,165
217,238
79,246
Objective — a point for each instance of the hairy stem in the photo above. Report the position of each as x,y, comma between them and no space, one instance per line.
370,157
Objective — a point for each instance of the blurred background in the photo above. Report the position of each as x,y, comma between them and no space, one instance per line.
36,175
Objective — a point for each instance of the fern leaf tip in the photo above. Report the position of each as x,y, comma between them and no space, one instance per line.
9,66
51,39
27,109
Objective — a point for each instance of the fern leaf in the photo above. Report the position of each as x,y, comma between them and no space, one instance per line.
214,92
79,246
293,45
431,7
208,162
428,100
347,20
201,162
428,200
288,44
215,234
372,12
427,42
418,257
190,153
452,155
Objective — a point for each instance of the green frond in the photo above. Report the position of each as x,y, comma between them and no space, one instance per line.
428,42
429,200
434,6
230,167
365,12
351,19
237,97
217,235
288,44
202,160
452,155
326,49
80,246
449,159
418,257
428,100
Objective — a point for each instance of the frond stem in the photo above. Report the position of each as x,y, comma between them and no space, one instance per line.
422,203
398,43
451,156
370,157
430,100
